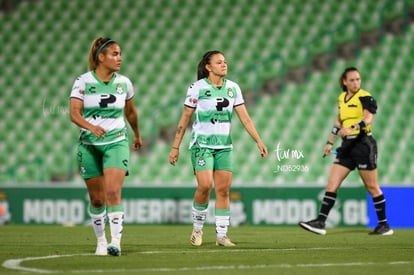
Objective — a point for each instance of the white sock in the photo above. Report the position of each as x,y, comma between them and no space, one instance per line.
98,224
116,225
199,217
222,224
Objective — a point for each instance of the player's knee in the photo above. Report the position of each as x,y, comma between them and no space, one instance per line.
113,196
97,202
223,192
204,190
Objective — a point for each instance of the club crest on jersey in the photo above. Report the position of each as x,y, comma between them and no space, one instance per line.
201,162
230,92
119,89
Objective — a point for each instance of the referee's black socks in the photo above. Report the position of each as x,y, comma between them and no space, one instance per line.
379,203
328,202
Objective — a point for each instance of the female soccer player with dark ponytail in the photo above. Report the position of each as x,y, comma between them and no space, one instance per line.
212,100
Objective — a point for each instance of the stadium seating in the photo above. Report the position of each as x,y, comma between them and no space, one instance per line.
162,42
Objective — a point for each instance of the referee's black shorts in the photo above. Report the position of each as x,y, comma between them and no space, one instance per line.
360,153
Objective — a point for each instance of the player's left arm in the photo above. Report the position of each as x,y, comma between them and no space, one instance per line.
131,116
248,124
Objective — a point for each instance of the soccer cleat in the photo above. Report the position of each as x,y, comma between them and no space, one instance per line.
114,249
196,238
101,248
315,226
224,241
382,229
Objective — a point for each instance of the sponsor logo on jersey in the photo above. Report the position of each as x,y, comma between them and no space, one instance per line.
222,103
219,118
92,89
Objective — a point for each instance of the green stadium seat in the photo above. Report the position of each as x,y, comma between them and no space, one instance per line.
160,56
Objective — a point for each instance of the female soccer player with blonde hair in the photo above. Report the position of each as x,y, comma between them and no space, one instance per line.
99,101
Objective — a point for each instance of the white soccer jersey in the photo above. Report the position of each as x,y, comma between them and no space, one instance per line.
213,112
103,105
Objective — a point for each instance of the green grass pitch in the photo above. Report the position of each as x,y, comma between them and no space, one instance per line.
165,249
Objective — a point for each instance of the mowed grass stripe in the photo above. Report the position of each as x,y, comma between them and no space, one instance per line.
260,250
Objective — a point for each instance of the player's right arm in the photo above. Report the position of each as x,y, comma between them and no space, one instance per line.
76,107
179,134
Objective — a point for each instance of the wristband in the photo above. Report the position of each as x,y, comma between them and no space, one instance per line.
328,142
362,124
176,148
335,130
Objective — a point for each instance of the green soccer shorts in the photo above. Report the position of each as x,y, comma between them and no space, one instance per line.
93,159
211,159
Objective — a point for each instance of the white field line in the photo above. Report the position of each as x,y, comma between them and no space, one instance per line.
241,267
15,263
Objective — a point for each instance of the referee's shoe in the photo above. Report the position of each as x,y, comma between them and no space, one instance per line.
314,226
382,229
